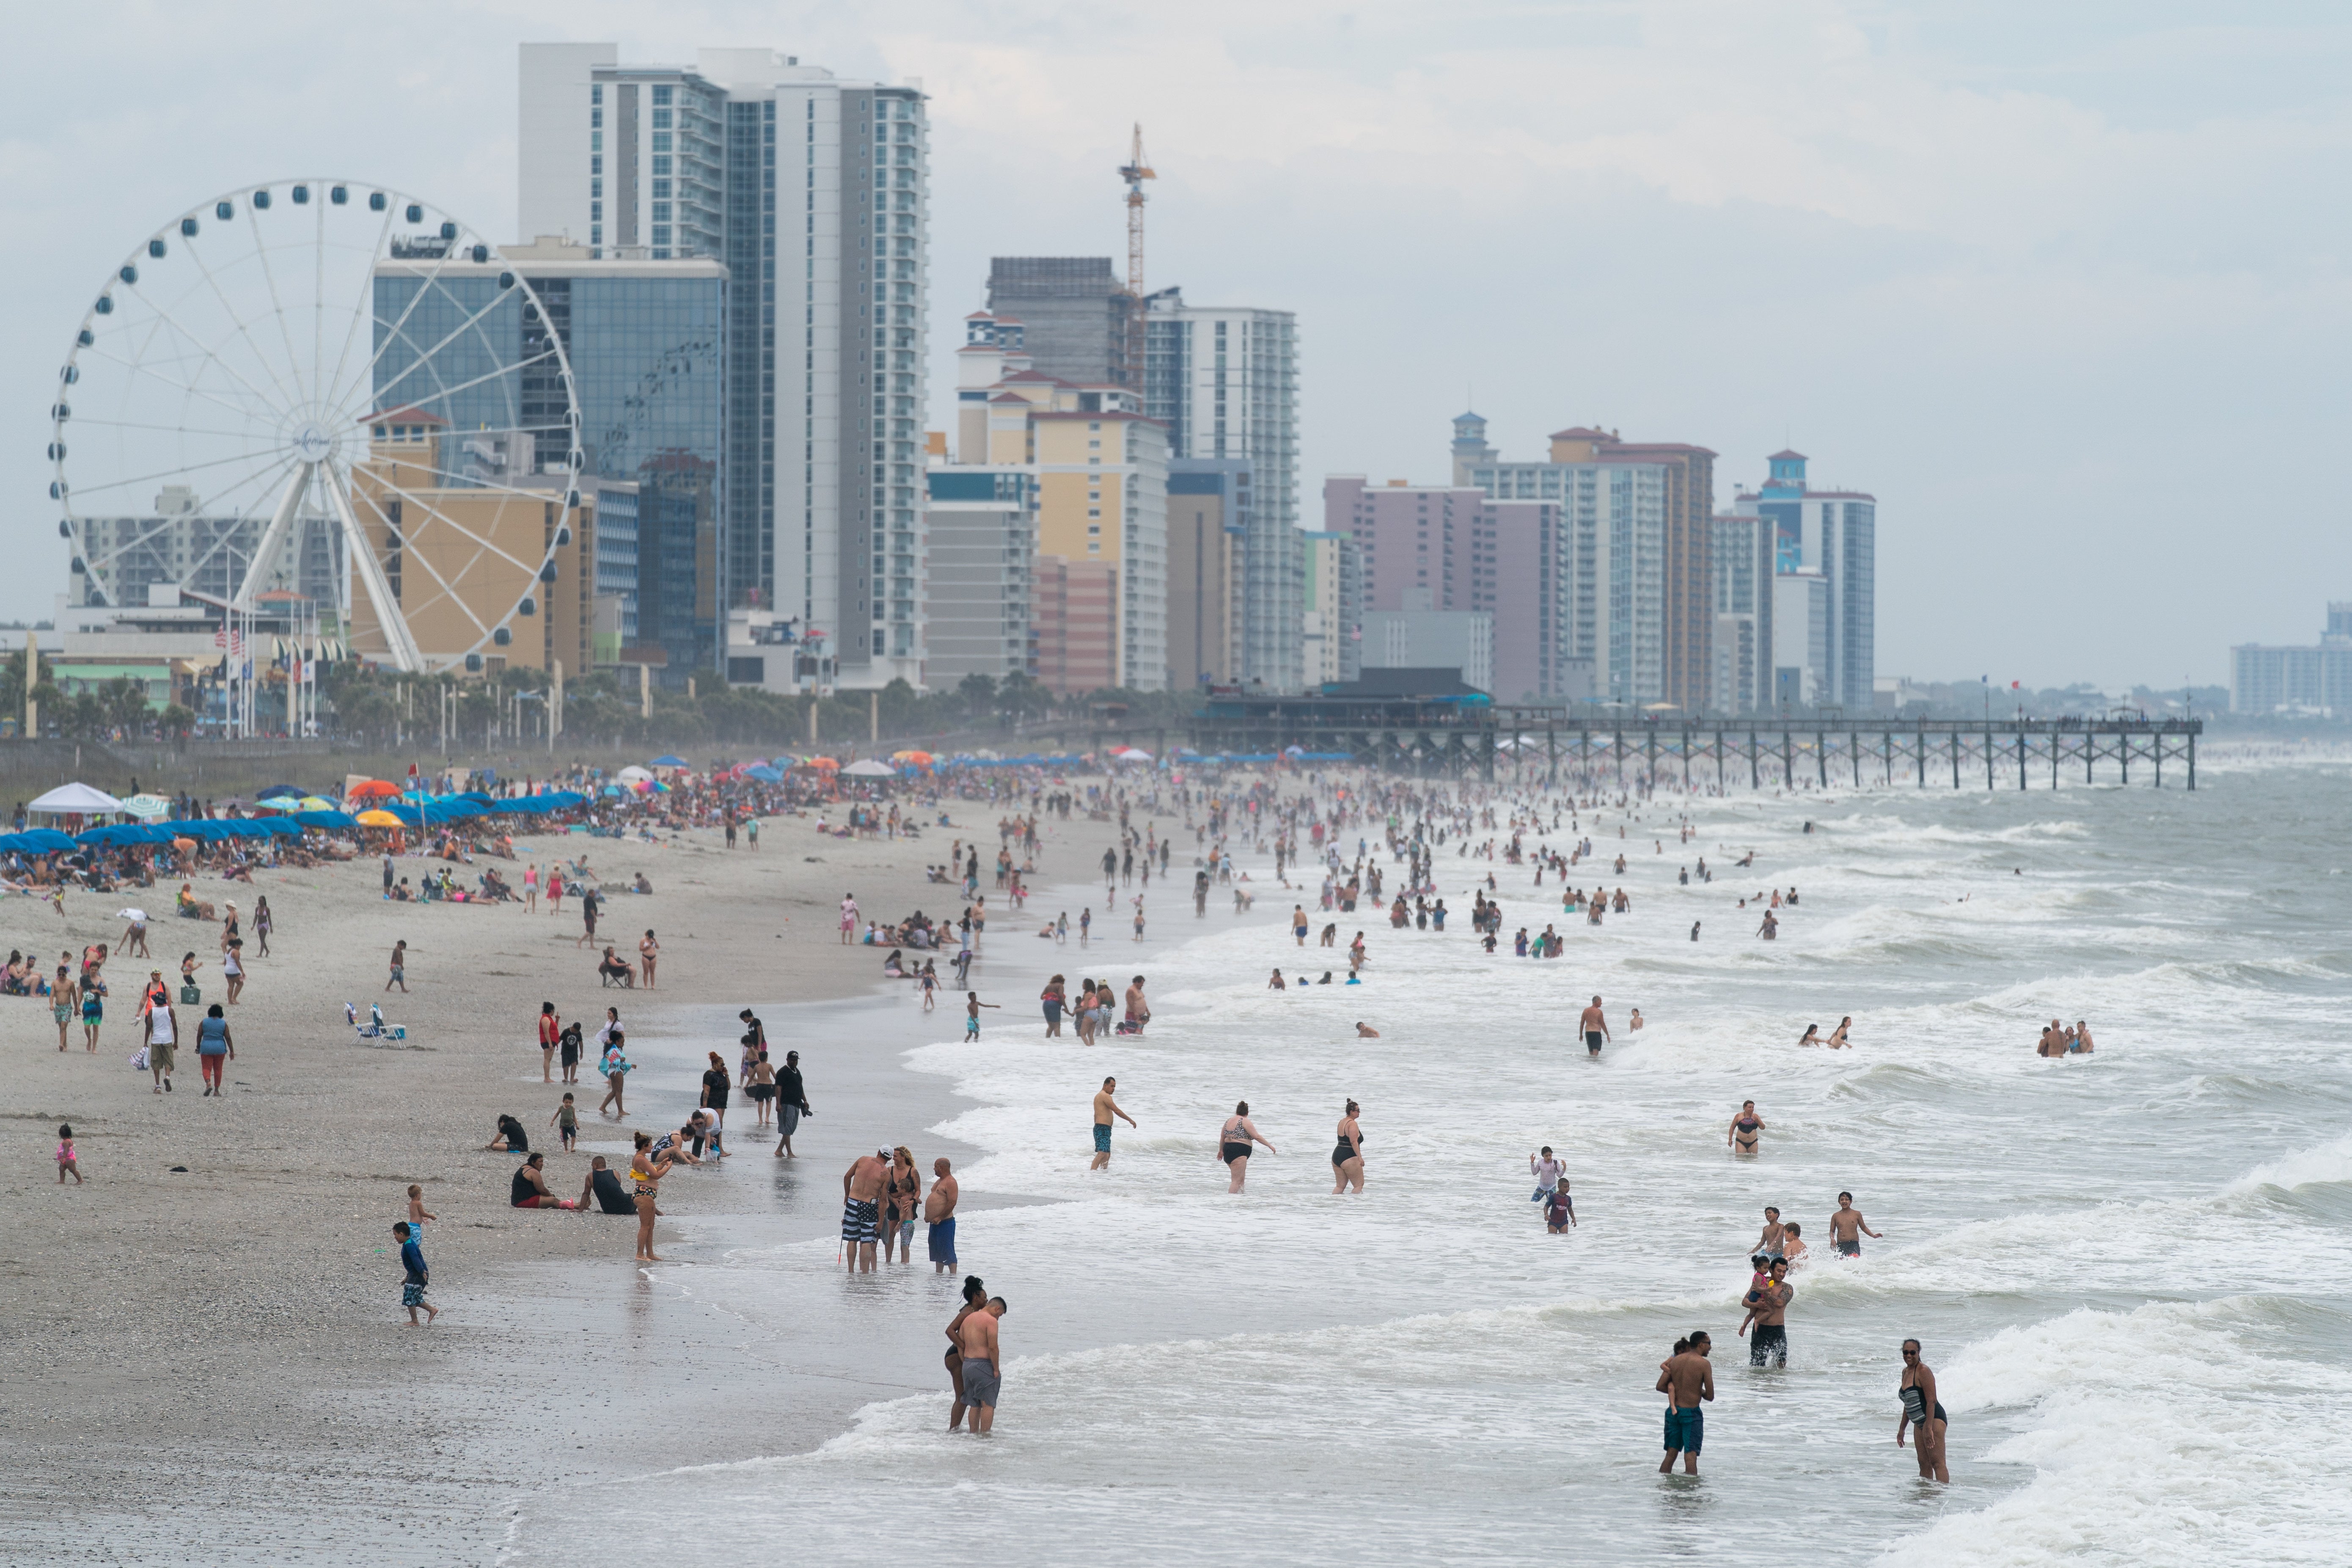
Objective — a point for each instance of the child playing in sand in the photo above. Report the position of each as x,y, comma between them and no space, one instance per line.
67,1161
416,1276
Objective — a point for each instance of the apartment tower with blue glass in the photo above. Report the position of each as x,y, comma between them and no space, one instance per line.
813,193
1823,622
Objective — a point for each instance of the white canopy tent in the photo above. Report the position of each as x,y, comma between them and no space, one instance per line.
75,800
870,768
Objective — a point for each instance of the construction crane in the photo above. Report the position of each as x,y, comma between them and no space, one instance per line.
1135,171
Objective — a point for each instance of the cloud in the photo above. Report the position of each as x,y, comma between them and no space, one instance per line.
1959,252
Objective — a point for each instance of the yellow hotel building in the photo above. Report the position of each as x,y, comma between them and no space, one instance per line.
460,529
1102,484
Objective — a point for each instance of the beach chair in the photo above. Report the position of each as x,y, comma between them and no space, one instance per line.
375,1028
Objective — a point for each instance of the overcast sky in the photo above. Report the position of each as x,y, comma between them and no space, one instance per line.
2064,286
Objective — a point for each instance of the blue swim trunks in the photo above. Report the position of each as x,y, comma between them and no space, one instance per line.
412,1295
1685,1428
941,1237
1102,1138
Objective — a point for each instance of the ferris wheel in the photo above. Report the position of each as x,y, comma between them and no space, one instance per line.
312,378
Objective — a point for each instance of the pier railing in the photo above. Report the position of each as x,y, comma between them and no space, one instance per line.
1759,751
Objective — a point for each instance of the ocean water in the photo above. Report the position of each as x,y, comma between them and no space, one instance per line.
2132,1271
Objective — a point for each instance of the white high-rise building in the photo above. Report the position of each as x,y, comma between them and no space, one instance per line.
1224,381
815,192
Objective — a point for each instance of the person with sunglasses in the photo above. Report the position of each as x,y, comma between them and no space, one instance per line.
1923,1414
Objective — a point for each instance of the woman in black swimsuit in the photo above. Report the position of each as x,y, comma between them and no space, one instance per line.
902,1200
1743,1129
1233,1145
1347,1154
1922,1413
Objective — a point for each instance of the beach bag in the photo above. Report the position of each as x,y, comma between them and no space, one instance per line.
139,1059
190,995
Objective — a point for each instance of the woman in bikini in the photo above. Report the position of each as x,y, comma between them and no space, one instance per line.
1837,1040
645,1177
904,1195
1348,1153
1812,1037
1745,1126
1235,1143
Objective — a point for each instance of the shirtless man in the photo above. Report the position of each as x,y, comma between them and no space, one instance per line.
1364,1031
1595,1028
1923,1413
1687,1381
2050,1044
1768,1308
2083,1037
1139,1011
1844,1223
1770,1242
983,1365
939,1215
1104,1109
861,1209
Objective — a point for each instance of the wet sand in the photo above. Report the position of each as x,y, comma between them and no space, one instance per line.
208,1364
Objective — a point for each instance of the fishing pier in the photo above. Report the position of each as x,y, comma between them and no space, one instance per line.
1457,739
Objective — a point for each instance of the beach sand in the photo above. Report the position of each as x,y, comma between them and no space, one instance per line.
208,1363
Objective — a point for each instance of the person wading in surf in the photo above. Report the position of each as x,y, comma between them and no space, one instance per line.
1922,1413
1844,1223
1686,1380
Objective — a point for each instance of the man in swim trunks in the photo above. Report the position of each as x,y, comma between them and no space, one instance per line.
938,1214
1844,1223
1104,1109
982,1370
861,1209
1768,1308
1595,1026
1687,1381
1922,1413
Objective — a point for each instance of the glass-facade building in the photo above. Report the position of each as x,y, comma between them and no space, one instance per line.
1224,381
646,342
814,191
1831,535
